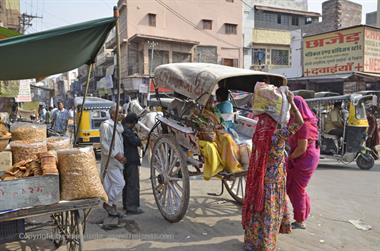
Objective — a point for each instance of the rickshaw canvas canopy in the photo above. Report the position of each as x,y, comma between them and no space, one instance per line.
45,53
355,98
200,80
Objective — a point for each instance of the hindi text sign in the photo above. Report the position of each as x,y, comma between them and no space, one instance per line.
334,52
372,50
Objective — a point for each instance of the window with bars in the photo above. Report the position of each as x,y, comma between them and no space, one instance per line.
308,20
258,56
295,20
230,28
279,18
207,24
180,57
159,57
279,57
152,19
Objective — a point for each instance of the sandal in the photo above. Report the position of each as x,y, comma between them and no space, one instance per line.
297,225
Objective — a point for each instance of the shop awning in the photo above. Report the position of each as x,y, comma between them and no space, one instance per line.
338,77
287,11
53,51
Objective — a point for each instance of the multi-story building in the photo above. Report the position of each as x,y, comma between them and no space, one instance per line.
10,14
336,14
267,31
155,32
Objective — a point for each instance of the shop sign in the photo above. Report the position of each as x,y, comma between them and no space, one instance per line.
334,52
372,50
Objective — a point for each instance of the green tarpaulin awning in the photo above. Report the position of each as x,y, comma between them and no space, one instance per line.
54,51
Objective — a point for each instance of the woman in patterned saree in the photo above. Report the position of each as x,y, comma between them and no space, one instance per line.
264,212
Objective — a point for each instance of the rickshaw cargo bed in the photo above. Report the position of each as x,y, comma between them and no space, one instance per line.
29,192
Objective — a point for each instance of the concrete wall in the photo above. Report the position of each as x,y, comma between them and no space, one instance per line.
190,26
336,14
265,19
371,18
295,69
9,14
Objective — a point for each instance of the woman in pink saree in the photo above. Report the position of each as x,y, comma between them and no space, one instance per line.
302,162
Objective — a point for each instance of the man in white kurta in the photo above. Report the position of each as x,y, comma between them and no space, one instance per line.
114,180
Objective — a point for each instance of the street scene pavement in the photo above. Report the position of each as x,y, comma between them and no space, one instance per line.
339,193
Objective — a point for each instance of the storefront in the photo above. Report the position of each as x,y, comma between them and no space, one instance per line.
343,61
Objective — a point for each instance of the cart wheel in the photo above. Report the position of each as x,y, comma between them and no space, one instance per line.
365,161
236,187
170,179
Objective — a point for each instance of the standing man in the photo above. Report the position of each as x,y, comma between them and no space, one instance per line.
131,191
42,113
113,181
60,118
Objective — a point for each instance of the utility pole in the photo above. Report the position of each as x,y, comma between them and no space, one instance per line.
151,45
26,21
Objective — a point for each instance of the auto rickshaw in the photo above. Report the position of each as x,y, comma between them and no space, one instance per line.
95,111
351,146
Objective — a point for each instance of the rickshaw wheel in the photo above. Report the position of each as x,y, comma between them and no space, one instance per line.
236,187
170,179
365,161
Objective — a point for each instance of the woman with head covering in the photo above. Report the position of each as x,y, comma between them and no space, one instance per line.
264,212
220,150
302,162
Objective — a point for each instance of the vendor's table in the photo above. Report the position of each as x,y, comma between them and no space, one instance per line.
69,219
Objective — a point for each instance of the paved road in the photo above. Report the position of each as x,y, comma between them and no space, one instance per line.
338,193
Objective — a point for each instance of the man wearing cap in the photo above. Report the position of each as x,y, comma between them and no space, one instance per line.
131,191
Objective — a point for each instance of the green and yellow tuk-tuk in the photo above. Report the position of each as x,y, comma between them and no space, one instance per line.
349,146
95,111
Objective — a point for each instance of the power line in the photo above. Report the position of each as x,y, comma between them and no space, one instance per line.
184,19
245,3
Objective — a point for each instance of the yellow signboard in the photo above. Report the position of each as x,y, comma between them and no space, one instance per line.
334,52
372,50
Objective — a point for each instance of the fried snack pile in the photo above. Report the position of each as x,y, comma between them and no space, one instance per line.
4,131
22,169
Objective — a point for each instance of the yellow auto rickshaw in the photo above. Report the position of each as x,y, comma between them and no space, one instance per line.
348,145
95,111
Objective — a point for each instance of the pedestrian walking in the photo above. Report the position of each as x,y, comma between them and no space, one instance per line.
302,162
373,138
60,118
131,191
264,212
113,180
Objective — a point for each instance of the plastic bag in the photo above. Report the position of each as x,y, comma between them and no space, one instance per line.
58,143
48,163
79,176
26,150
28,131
272,101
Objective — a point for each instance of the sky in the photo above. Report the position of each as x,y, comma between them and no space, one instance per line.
57,13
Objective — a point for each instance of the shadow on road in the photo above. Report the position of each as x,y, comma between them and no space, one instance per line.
226,245
349,167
